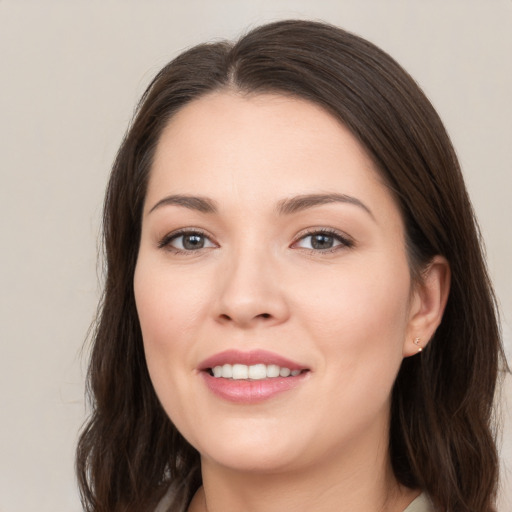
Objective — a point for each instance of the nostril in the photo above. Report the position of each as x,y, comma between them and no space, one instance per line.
244,317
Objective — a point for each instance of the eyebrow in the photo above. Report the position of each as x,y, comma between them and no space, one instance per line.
303,202
201,204
286,206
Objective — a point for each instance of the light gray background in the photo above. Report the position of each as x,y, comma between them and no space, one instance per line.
71,73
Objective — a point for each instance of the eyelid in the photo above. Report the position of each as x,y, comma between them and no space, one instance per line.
165,241
345,240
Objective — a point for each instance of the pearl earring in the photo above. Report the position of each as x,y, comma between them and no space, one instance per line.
417,343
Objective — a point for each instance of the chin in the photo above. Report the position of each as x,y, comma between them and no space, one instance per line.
252,453
251,461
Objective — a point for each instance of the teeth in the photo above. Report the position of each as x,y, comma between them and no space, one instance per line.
273,370
258,371
240,371
284,372
227,371
253,372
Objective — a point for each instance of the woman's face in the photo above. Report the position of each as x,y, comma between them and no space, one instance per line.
270,246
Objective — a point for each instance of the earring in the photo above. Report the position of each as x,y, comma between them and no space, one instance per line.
417,343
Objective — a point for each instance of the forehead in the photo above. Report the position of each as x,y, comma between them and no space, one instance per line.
258,147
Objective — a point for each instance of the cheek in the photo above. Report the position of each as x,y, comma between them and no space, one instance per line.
357,299
169,316
169,306
170,319
358,323
359,318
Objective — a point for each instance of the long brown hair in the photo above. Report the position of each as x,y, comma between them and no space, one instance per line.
441,437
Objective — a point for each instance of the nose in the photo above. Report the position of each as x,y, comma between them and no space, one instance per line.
250,291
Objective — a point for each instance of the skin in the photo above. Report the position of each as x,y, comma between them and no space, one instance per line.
349,314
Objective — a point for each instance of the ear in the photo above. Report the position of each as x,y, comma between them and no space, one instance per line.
428,302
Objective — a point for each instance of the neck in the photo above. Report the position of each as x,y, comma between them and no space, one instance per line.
348,484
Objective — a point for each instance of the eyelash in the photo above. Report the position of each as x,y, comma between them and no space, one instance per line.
165,242
344,241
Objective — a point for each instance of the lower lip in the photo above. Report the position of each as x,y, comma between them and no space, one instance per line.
251,391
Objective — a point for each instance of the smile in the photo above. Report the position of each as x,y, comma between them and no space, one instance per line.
252,372
251,377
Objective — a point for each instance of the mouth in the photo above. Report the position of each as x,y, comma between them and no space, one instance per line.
251,377
258,371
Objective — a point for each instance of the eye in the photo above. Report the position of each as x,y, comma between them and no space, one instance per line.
186,241
323,241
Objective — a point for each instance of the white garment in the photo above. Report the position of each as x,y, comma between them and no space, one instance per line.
421,504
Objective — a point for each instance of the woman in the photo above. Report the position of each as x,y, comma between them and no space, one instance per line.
296,311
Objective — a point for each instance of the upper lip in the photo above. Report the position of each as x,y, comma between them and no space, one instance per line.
249,358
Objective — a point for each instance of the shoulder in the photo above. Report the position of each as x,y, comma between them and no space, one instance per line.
168,502
421,504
